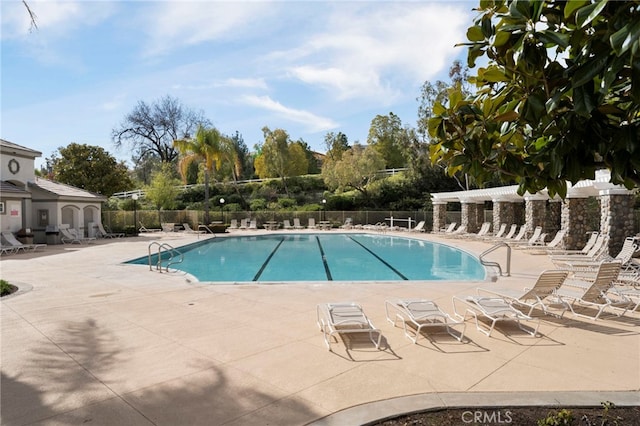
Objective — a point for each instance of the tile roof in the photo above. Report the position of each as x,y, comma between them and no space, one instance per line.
9,188
63,190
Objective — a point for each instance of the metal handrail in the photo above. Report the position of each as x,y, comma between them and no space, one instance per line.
167,248
207,228
496,264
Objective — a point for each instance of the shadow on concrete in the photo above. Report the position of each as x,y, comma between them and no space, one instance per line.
60,384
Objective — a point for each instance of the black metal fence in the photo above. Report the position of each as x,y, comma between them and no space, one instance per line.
119,220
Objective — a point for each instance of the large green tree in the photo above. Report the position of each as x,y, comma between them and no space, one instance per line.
336,144
558,99
388,137
163,190
280,157
90,168
358,167
206,148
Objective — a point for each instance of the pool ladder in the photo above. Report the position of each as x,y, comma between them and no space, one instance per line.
496,264
165,248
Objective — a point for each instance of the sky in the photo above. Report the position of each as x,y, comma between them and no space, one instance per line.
308,67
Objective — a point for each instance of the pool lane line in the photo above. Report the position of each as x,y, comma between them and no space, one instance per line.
264,265
380,259
324,260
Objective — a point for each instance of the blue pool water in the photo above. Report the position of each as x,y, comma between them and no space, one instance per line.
324,257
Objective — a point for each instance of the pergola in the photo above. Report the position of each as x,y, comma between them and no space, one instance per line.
616,209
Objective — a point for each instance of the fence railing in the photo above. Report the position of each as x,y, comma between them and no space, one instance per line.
121,219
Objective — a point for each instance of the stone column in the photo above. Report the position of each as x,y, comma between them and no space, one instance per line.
439,215
535,212
554,215
480,213
574,221
616,217
470,215
502,213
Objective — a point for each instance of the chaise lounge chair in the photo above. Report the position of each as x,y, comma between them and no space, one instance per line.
311,223
103,233
145,229
70,236
590,266
286,224
345,318
555,243
595,294
546,284
16,245
296,223
419,227
420,313
494,309
189,230
449,229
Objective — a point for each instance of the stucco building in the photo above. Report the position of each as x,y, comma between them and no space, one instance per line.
29,202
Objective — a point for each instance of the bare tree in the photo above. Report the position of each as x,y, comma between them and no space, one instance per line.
32,16
151,129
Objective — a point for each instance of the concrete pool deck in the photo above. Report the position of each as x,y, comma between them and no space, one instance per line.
93,340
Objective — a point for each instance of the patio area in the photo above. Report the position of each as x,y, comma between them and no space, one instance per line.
90,339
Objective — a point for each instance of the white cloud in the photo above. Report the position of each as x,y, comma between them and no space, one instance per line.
243,83
174,24
364,49
314,123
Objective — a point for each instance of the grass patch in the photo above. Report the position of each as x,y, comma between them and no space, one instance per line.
6,288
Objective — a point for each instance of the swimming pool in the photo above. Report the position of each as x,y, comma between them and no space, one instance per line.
324,257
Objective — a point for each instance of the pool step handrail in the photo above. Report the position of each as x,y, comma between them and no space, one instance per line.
496,264
206,228
164,248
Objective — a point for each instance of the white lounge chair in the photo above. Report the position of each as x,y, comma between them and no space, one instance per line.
482,232
345,318
145,229
71,236
580,266
593,237
244,224
233,225
495,309
506,237
286,224
499,233
598,250
311,223
449,229
7,249
103,233
534,239
348,224
419,227
545,286
253,225
12,241
595,294
189,230
519,237
555,243
461,230
419,314
296,223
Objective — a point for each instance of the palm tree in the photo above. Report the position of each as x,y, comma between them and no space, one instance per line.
206,148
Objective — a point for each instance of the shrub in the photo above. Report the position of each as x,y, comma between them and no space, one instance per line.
6,288
562,417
